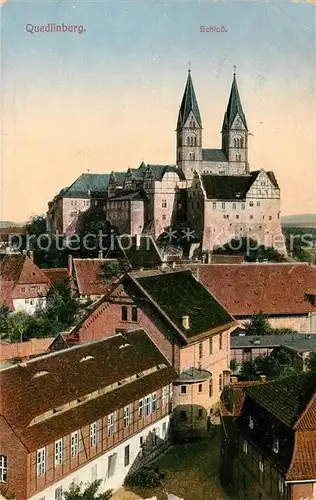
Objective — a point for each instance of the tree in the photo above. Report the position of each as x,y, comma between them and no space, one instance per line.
259,325
248,369
61,308
311,362
95,232
111,270
4,314
233,365
18,324
268,365
87,492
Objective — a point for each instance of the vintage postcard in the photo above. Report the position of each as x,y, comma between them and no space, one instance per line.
158,250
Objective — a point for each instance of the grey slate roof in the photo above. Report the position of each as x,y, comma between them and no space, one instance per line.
227,187
213,155
87,185
298,341
234,107
188,104
160,170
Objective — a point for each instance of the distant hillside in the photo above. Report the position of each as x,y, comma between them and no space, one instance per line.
299,220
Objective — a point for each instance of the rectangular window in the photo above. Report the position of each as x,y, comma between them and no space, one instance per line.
245,447
59,493
251,203
183,414
220,382
214,205
164,217
93,434
250,216
112,464
124,313
237,216
164,203
243,206
134,313
41,461
126,456
210,345
74,443
166,395
275,446
111,424
164,430
183,389
141,408
200,413
258,203
270,217
153,402
220,341
223,206
200,387
147,406
234,206
3,469
201,350
210,388
59,448
127,416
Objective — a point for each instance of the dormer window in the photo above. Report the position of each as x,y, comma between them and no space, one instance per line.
275,446
251,422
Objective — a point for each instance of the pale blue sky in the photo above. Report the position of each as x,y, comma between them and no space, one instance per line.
62,90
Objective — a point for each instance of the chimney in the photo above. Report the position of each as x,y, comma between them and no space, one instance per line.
263,378
32,255
186,322
203,258
100,254
70,264
24,252
233,380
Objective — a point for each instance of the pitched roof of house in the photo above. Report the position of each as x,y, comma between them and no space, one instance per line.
18,269
227,187
177,294
87,185
49,382
233,396
88,273
234,107
136,253
286,398
246,289
57,274
188,104
214,155
292,400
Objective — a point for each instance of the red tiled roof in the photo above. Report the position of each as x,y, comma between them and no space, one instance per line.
303,463
227,259
57,275
17,269
24,349
87,273
307,420
246,289
68,379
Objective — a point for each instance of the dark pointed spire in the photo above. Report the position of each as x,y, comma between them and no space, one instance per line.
234,106
188,104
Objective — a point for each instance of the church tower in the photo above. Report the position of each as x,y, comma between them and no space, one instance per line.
189,133
235,133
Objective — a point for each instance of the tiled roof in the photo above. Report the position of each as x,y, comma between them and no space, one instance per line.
303,464
246,289
214,155
69,378
88,185
233,396
20,350
188,104
286,398
57,275
227,187
17,269
88,275
179,294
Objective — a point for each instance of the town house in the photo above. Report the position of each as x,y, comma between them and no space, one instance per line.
93,411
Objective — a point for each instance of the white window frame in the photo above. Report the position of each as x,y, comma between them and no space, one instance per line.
41,461
127,416
147,405
261,467
154,402
74,444
58,451
93,434
251,422
111,424
276,445
3,469
245,447
141,408
166,394
281,486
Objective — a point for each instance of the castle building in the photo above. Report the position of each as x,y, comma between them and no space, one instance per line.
214,190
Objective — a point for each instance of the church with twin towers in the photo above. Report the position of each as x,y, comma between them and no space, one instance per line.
214,192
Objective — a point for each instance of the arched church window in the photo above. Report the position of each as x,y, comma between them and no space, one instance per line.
192,156
189,141
241,142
